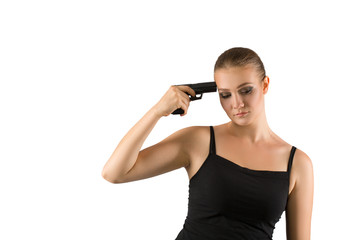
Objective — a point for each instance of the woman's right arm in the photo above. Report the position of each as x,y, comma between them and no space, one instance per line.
127,163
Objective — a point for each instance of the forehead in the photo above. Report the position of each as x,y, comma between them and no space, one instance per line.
234,76
238,74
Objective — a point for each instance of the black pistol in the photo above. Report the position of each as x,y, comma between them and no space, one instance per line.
199,89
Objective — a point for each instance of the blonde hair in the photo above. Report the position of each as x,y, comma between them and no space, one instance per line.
239,57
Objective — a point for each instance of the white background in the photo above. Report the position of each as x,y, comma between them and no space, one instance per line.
77,75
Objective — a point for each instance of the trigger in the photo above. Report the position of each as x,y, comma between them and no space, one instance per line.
197,96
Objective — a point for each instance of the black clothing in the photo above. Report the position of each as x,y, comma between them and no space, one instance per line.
231,202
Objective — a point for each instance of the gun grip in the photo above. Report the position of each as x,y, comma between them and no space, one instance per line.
178,111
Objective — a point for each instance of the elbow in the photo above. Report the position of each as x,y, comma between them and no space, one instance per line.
108,177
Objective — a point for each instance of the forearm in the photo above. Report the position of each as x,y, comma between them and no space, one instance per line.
127,151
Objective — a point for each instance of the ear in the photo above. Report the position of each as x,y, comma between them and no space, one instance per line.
265,84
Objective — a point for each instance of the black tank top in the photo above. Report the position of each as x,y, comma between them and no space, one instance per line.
231,202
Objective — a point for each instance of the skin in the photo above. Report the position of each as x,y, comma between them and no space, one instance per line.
261,148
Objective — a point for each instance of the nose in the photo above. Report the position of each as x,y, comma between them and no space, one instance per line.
237,102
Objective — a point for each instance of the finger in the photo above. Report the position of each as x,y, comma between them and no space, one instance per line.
185,105
184,96
182,100
179,93
187,89
180,105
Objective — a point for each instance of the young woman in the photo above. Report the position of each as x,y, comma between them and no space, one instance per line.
242,176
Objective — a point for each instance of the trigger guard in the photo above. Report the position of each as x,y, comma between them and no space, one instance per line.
195,98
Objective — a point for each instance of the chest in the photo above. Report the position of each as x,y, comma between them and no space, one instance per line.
269,158
225,188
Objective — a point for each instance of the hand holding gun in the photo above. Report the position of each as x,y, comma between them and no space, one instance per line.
199,88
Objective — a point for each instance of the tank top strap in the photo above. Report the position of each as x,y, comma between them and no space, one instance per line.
212,141
291,158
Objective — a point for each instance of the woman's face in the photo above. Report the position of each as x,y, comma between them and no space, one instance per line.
241,93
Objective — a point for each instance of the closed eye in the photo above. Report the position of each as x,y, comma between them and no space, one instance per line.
247,90
242,91
225,95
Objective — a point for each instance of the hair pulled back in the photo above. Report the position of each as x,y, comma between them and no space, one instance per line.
240,57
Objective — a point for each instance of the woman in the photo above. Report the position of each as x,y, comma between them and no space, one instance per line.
239,172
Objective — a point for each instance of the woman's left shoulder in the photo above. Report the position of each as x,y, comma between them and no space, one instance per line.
302,167
301,159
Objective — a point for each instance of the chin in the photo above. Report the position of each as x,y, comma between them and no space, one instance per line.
239,120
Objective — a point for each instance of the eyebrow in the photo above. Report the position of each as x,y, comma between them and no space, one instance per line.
237,86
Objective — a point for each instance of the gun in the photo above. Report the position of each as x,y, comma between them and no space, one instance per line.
199,88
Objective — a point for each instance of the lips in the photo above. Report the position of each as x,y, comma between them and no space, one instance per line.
240,113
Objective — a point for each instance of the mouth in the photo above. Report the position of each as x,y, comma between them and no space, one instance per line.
240,113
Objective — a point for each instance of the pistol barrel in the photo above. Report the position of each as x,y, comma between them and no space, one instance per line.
203,87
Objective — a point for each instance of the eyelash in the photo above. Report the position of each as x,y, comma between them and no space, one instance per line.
245,93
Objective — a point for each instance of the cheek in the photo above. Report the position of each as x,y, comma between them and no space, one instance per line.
255,99
252,100
225,104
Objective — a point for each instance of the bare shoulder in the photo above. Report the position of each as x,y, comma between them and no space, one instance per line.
302,170
193,134
196,146
300,200
195,141
193,129
302,163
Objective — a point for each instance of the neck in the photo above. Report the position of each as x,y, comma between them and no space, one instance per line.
256,132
